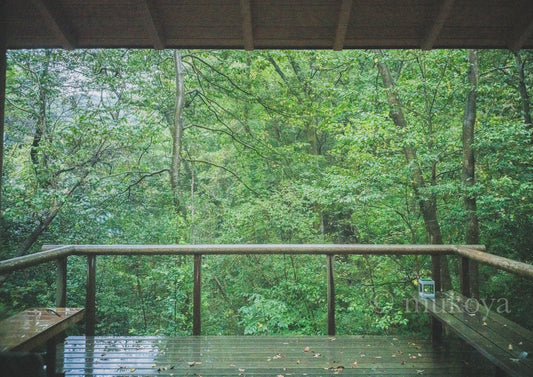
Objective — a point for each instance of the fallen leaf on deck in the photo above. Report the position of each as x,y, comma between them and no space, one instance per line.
241,369
193,363
510,347
420,371
278,356
297,361
132,370
316,355
354,363
520,343
306,349
378,357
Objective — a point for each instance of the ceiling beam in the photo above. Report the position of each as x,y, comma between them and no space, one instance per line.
55,19
436,26
523,36
247,29
342,25
153,24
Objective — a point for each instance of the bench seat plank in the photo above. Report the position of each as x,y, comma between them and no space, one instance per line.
498,339
31,328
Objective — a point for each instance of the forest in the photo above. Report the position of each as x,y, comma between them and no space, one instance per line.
259,147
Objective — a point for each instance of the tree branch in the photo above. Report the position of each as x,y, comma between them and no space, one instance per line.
227,170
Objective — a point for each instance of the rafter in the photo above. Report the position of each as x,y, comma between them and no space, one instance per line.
436,26
55,19
247,29
153,24
523,36
342,24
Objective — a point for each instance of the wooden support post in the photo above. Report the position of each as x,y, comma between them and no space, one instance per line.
50,358
61,283
331,295
3,69
90,300
197,296
435,271
436,326
464,276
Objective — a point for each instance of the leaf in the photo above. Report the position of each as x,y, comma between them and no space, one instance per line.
306,349
510,347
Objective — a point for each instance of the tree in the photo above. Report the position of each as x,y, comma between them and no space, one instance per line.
469,180
428,204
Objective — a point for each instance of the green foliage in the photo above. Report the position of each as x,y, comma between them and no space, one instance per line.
278,147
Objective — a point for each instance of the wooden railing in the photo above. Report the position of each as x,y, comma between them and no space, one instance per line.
60,255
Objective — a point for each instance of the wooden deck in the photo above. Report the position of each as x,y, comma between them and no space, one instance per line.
265,356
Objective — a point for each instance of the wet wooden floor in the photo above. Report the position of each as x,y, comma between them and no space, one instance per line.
263,356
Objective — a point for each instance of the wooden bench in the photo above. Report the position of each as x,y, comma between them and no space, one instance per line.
506,344
31,328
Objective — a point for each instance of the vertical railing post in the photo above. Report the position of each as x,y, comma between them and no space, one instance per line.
435,271
197,296
3,70
61,283
90,299
464,276
436,326
331,295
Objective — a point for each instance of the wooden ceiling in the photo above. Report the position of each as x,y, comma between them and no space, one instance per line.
272,24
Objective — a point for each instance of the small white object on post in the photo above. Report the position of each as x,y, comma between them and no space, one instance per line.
426,288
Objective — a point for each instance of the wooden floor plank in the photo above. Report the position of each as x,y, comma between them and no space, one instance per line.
259,356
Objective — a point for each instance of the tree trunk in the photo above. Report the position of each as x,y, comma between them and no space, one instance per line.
469,121
176,130
428,205
524,96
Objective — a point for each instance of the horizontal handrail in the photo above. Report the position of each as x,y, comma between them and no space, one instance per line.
248,249
515,267
20,263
